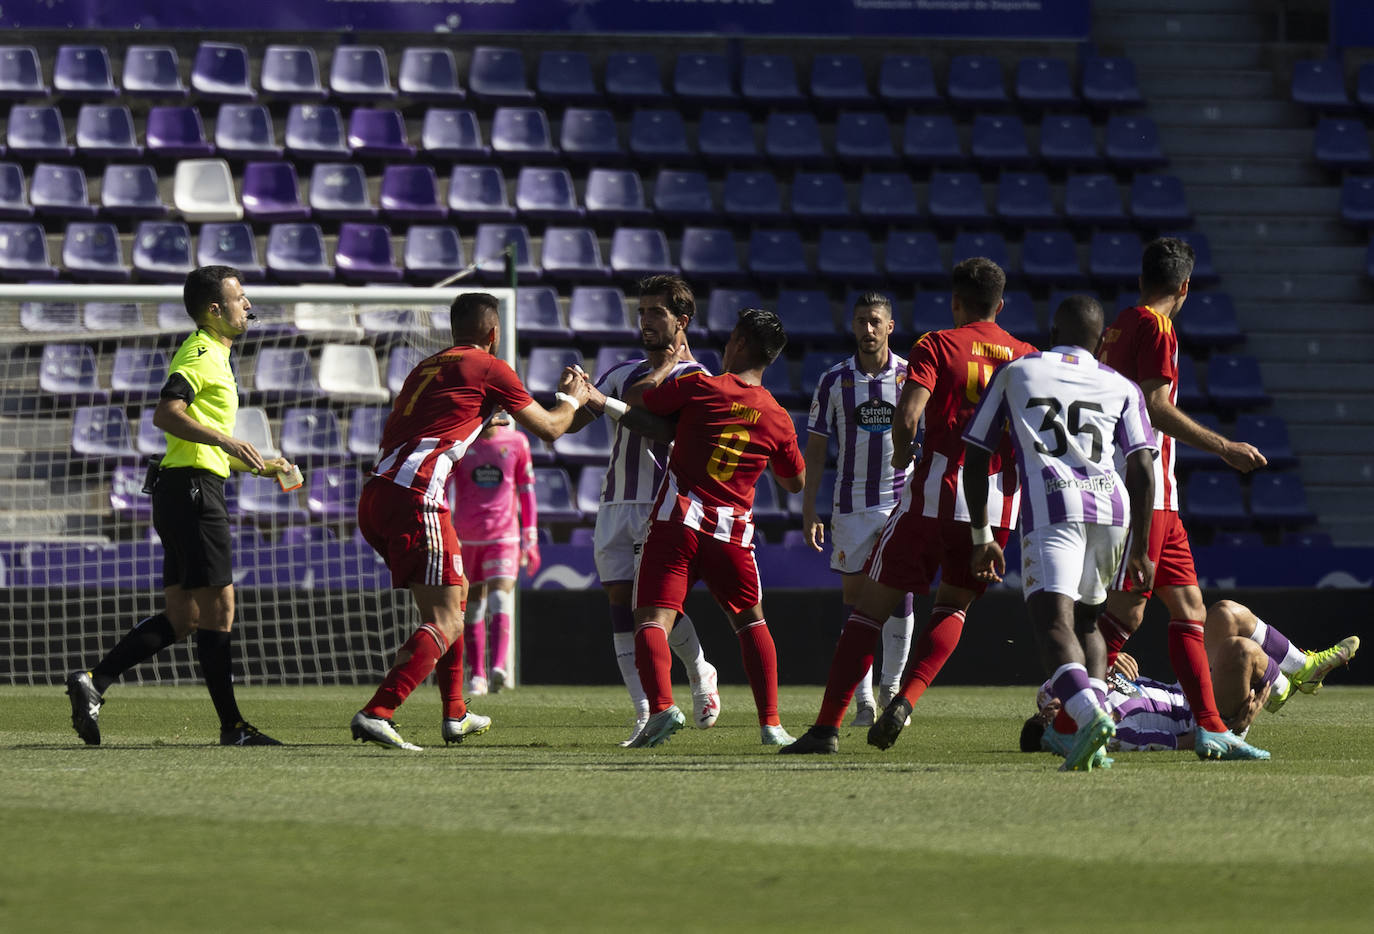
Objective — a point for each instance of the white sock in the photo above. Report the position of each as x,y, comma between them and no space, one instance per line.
625,658
863,694
1083,706
896,646
1280,685
686,646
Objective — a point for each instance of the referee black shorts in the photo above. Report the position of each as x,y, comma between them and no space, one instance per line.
192,520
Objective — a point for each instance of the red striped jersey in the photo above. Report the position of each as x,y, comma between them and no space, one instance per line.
1141,344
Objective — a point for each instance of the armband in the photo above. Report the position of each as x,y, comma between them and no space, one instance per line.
564,397
982,534
615,408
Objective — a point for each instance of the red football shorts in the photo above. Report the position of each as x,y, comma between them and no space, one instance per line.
913,547
414,536
491,560
676,557
1170,552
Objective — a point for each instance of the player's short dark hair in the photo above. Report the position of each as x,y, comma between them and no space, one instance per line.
978,283
472,315
762,332
205,287
873,300
676,292
1165,265
1031,731
1078,320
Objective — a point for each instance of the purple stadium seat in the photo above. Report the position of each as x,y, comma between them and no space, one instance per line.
704,79
1279,499
1364,86
1357,199
913,255
633,78
794,139
131,191
285,374
1307,540
819,197
1093,200
333,493
1320,85
60,191
296,253
365,430
411,192
932,139
70,370
770,81
615,195
999,140
162,251
36,133
1159,201
956,198
589,501
49,317
565,77
838,81
91,253
554,495
931,312
1190,393
244,131
83,72
590,134
888,198
572,253
106,131
339,190
710,255
863,138
429,74
807,315
723,307
778,254
1018,317
360,73
1110,83
1211,320
128,499
271,192
220,72
538,317
778,379
121,317
364,254
976,81
659,136
1189,458
230,244
489,252
1114,257
752,197
24,252
1067,140
522,133
971,243
683,195
640,251
727,136
262,499
152,71
14,197
478,193
1024,198
1339,144
101,431
1269,433
908,81
1234,382
498,75
21,75
452,134
1133,142
541,452
431,253
546,194
600,313
138,373
544,367
846,255
314,131
1212,497
1051,257
380,133
591,445
176,133
291,72
1045,82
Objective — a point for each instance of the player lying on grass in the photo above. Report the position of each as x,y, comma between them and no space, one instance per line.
1253,665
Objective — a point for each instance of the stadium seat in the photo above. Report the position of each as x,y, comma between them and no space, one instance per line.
311,435
1093,200
333,492
51,317
107,132
349,373
640,251
36,132
1110,83
230,244
591,445
131,191
659,136
1307,540
1364,86
24,252
683,195
546,194
363,254
975,81
262,499
478,193
778,254
838,81
1068,141
101,431
219,72
956,199
565,77
411,192
1159,201
399,364
1114,257
283,375
1025,199
704,79
522,134
1214,497
296,253
615,196
768,506
1018,317
379,133
271,192
1045,83
119,317
429,74
1320,85
1269,433
723,307
846,256
291,72
1279,499
907,81
1187,457
572,253
807,316
489,249
1234,382
82,72
1210,321
151,71
176,133
14,197
752,197
338,191
1190,393
360,73
21,75
992,245
932,139
779,380
931,312
70,370
162,251
590,135
137,373
244,131
537,315
634,79
1357,200
203,190
498,75
315,131
59,191
452,134
999,141
814,363
545,365
819,197
149,439
91,253
589,501
770,81
863,138
1340,144
608,357
709,255
1050,257
727,136
888,198
1132,142
554,496
913,256
794,139
365,430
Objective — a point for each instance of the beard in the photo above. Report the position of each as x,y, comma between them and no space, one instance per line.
656,341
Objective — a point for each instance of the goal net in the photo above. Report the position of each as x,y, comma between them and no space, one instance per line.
79,561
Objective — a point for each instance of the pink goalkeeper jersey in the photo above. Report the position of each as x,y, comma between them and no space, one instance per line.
483,486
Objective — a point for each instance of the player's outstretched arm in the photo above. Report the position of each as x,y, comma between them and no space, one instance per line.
1171,420
1140,486
549,424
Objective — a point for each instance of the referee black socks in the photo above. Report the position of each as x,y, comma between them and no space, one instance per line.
146,639
215,654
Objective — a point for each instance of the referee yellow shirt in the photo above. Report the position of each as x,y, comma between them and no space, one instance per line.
203,362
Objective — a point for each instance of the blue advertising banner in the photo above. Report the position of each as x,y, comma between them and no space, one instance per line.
1060,19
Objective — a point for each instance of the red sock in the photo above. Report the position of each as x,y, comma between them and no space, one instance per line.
448,674
1063,723
933,648
1114,633
414,662
761,667
1188,655
853,657
654,663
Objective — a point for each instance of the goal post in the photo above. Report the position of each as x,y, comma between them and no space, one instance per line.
79,562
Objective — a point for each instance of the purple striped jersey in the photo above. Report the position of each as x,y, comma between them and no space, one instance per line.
857,410
1151,717
637,464
1073,421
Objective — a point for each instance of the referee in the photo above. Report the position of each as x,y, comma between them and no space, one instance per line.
196,410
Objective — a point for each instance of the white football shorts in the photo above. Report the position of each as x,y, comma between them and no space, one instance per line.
852,538
1074,558
621,529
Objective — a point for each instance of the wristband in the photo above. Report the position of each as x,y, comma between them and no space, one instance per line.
982,534
615,408
564,397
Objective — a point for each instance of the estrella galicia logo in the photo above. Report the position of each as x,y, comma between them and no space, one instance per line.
487,476
875,415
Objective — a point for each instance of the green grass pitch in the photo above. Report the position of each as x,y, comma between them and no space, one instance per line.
544,824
